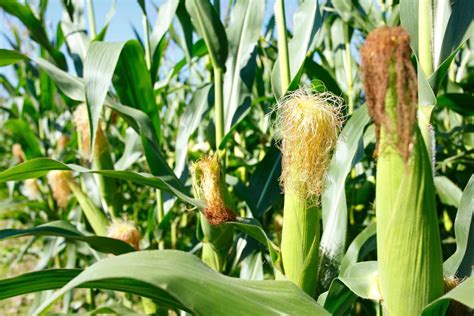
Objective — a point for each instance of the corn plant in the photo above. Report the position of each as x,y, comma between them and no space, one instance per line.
227,161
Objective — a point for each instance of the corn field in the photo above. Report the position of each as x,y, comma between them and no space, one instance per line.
237,157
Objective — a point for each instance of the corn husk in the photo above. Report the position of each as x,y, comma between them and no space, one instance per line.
408,240
307,125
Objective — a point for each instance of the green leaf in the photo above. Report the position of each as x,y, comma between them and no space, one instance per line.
41,166
66,230
448,192
36,281
8,57
99,67
73,87
95,216
461,293
333,200
35,27
181,276
319,74
264,188
358,249
457,102
360,280
459,28
166,13
207,23
242,33
21,133
188,123
253,228
459,264
133,84
409,20
306,22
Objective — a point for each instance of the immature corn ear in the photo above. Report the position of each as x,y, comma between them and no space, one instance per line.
125,231
209,185
408,241
18,153
307,126
102,158
31,189
62,143
59,180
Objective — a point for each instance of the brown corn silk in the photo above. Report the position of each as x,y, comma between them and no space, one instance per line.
382,47
408,241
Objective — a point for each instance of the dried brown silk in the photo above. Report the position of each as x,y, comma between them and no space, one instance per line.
382,47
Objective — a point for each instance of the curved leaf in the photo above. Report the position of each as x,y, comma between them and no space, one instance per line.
35,27
183,275
8,57
264,188
41,166
66,230
243,32
207,23
188,123
73,87
333,200
99,66
36,281
361,281
253,228
461,293
448,192
453,266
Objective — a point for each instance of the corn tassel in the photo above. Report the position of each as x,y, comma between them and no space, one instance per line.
408,240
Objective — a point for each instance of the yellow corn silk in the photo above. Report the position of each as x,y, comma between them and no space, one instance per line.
408,240
307,126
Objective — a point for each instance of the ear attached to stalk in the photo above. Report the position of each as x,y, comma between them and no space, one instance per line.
209,185
408,240
58,181
102,159
307,127
125,231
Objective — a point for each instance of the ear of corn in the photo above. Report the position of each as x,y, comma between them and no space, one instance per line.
307,125
217,238
408,241
101,160
300,241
